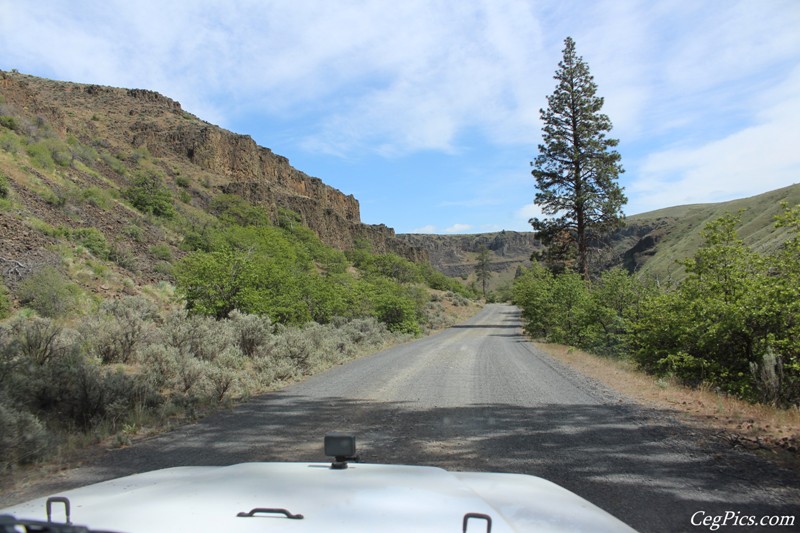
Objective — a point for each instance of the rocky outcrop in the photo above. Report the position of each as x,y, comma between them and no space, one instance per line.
265,178
126,119
631,246
455,254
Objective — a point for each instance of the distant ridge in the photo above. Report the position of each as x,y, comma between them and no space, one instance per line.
651,243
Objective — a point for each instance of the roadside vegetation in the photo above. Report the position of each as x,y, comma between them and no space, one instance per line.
731,325
152,299
129,367
269,306
253,306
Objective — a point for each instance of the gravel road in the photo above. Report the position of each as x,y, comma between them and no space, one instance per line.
479,397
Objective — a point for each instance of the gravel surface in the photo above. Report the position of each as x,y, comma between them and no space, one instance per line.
479,397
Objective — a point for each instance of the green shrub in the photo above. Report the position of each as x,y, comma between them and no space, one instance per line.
38,340
161,251
438,281
213,283
148,194
23,440
731,323
133,232
10,142
48,293
93,240
251,332
398,313
4,186
5,302
119,328
40,156
616,300
234,209
395,267
9,122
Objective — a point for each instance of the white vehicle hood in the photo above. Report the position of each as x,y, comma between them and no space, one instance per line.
364,497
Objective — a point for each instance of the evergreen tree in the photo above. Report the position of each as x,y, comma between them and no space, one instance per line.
576,169
482,269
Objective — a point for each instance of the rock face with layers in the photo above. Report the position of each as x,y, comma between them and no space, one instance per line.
122,120
455,255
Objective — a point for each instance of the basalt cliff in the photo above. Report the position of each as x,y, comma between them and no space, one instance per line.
197,159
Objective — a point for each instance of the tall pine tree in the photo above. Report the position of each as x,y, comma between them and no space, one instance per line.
577,167
482,272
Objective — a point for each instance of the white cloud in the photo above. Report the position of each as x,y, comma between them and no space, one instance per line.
430,228
527,212
493,228
755,159
704,86
458,228
402,77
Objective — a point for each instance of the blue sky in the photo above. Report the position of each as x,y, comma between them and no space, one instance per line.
428,110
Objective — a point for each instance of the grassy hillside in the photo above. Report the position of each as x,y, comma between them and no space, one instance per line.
651,244
669,235
113,189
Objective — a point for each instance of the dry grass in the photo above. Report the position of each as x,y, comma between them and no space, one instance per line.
752,426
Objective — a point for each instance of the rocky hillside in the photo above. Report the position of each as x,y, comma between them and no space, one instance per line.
198,160
456,255
652,243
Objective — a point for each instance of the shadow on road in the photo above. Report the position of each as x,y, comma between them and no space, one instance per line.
635,463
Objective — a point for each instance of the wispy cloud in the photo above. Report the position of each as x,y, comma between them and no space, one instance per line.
458,228
430,228
754,159
388,77
416,75
703,95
